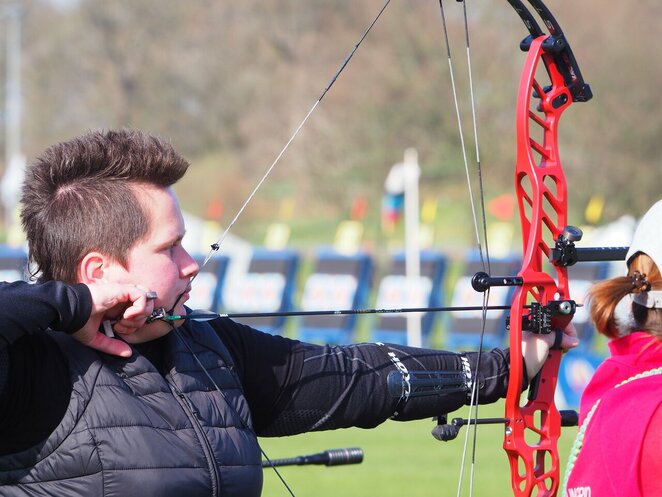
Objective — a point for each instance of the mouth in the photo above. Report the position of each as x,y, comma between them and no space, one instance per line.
183,296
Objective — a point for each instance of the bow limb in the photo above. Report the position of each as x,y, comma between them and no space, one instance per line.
533,430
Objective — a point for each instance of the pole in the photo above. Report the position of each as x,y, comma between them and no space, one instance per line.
412,243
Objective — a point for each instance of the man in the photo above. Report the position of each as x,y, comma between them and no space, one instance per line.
165,408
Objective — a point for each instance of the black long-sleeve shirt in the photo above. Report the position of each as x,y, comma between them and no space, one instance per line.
291,387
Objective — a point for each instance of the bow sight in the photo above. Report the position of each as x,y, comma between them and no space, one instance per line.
542,319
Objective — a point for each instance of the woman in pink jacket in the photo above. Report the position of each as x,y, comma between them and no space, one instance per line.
618,450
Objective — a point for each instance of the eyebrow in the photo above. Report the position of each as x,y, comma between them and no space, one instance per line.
171,238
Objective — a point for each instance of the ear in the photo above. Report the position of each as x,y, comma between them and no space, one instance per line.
93,268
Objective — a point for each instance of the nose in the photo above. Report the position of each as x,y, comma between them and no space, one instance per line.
187,266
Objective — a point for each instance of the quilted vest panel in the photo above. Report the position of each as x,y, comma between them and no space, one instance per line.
130,431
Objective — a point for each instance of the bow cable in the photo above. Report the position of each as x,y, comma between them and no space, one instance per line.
486,261
460,126
484,254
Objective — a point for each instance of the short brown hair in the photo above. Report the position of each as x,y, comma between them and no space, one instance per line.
78,197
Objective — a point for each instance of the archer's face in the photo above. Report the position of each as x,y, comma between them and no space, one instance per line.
159,262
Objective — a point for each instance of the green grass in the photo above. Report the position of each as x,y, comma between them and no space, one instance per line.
401,459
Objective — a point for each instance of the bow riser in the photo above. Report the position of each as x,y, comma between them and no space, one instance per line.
533,429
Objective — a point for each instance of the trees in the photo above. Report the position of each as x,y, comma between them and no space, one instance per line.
230,80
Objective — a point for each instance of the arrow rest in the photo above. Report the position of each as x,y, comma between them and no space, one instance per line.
542,319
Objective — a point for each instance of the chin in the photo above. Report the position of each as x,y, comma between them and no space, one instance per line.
149,332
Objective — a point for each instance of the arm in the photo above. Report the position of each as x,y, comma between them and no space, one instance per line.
26,309
75,309
294,387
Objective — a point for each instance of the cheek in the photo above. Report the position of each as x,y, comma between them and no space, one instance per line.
155,271
162,275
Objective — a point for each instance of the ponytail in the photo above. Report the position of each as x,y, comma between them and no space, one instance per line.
604,297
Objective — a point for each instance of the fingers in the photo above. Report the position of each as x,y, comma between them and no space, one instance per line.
113,300
138,311
98,341
535,347
141,308
568,343
569,338
123,309
111,346
565,339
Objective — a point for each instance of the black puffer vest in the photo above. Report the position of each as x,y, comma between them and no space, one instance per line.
129,431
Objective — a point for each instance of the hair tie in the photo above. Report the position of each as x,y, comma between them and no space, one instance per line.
639,282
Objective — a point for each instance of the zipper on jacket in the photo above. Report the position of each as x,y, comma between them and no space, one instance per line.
192,414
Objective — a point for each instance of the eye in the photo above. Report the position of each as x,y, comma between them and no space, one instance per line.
174,245
169,247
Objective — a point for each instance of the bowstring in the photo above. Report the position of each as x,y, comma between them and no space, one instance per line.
474,121
460,126
486,261
483,254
